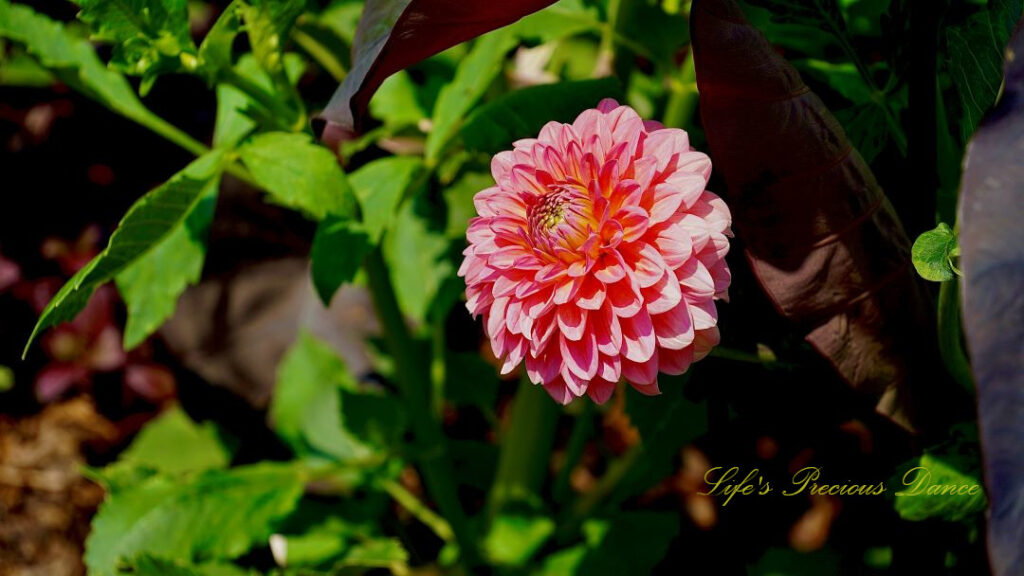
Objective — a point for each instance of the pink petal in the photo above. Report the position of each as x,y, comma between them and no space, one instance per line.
674,329
600,391
572,321
580,357
638,339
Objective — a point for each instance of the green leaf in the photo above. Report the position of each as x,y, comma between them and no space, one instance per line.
560,20
470,380
216,515
146,225
150,37
933,254
20,69
789,562
216,49
73,60
417,253
152,284
867,129
472,78
174,444
298,174
945,482
493,127
319,407
147,565
268,23
6,378
843,78
514,538
459,197
339,248
376,553
630,543
380,187
396,102
976,52
235,110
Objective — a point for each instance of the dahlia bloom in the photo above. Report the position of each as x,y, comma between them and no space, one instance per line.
599,254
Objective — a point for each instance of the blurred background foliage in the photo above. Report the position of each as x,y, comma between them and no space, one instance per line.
232,390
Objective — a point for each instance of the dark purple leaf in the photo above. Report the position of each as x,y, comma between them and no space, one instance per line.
992,261
819,233
395,34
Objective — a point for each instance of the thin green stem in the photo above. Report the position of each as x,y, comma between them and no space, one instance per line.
412,371
525,447
606,52
320,54
587,503
414,506
581,431
950,340
175,135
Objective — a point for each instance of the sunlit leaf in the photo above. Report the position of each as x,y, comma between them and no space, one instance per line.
933,252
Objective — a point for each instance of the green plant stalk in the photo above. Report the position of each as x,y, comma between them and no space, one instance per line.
525,447
950,336
320,54
175,135
413,378
606,51
682,100
581,430
587,503
414,506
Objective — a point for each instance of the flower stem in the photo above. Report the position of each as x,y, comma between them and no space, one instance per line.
950,345
682,100
411,503
319,53
288,118
413,379
581,430
525,447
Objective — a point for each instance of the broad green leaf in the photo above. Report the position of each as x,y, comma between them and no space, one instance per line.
843,78
151,285
73,60
377,553
150,37
20,69
174,444
313,548
630,543
306,408
215,51
476,72
417,253
514,538
933,254
396,102
268,23
380,186
789,562
147,565
6,378
216,515
493,127
339,248
470,380
318,407
976,52
298,174
148,223
342,18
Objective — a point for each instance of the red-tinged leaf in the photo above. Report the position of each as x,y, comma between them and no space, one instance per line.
992,262
395,34
820,235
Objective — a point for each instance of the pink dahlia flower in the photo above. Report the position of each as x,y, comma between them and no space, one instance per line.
599,254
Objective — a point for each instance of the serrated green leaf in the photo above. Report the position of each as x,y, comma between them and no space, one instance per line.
73,60
174,444
976,52
298,174
560,20
932,254
150,37
380,187
148,223
396,102
339,248
630,543
459,197
147,565
472,78
151,285
216,515
493,127
22,70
